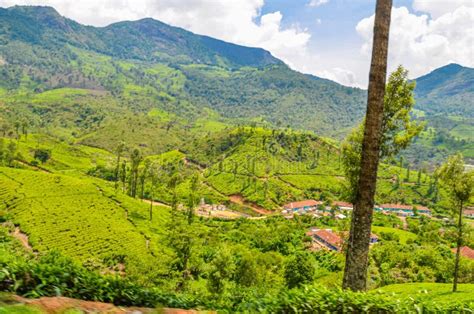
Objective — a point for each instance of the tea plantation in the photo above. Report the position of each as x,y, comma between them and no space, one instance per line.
75,216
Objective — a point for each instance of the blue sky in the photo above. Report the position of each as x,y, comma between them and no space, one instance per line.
334,37
327,38
331,24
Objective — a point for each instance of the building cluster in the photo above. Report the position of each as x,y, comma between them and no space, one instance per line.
403,210
327,239
208,208
318,209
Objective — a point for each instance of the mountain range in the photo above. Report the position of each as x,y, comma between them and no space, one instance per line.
235,81
151,68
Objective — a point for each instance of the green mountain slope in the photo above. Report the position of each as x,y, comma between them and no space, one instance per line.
145,39
445,100
449,89
87,82
147,64
271,168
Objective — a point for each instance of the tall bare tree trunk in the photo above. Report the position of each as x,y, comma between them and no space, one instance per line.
355,273
458,249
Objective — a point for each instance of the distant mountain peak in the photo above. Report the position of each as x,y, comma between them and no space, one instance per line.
447,69
449,88
45,15
452,66
442,73
146,39
38,12
236,54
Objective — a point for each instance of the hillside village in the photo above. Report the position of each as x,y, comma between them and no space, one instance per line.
328,239
337,208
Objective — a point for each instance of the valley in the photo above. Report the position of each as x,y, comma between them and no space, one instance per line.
147,166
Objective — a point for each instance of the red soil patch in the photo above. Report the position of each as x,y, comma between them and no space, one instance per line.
56,305
23,238
238,199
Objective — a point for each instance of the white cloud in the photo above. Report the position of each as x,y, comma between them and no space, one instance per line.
317,3
422,44
436,8
237,21
343,76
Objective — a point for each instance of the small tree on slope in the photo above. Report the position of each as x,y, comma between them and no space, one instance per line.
460,185
398,128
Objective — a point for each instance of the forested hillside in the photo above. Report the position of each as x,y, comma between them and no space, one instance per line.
147,64
149,40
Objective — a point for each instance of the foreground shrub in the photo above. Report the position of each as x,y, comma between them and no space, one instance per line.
322,300
56,275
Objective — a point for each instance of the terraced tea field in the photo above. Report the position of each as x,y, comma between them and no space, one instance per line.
77,216
64,156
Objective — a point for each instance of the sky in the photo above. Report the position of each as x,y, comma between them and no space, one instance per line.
326,38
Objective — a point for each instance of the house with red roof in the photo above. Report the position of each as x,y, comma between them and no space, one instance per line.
469,213
326,238
330,240
343,205
306,205
466,251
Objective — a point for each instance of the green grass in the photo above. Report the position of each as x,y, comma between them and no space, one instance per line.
161,115
439,292
151,134
205,125
19,309
402,234
305,182
8,305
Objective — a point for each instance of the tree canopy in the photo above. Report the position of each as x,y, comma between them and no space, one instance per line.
399,128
